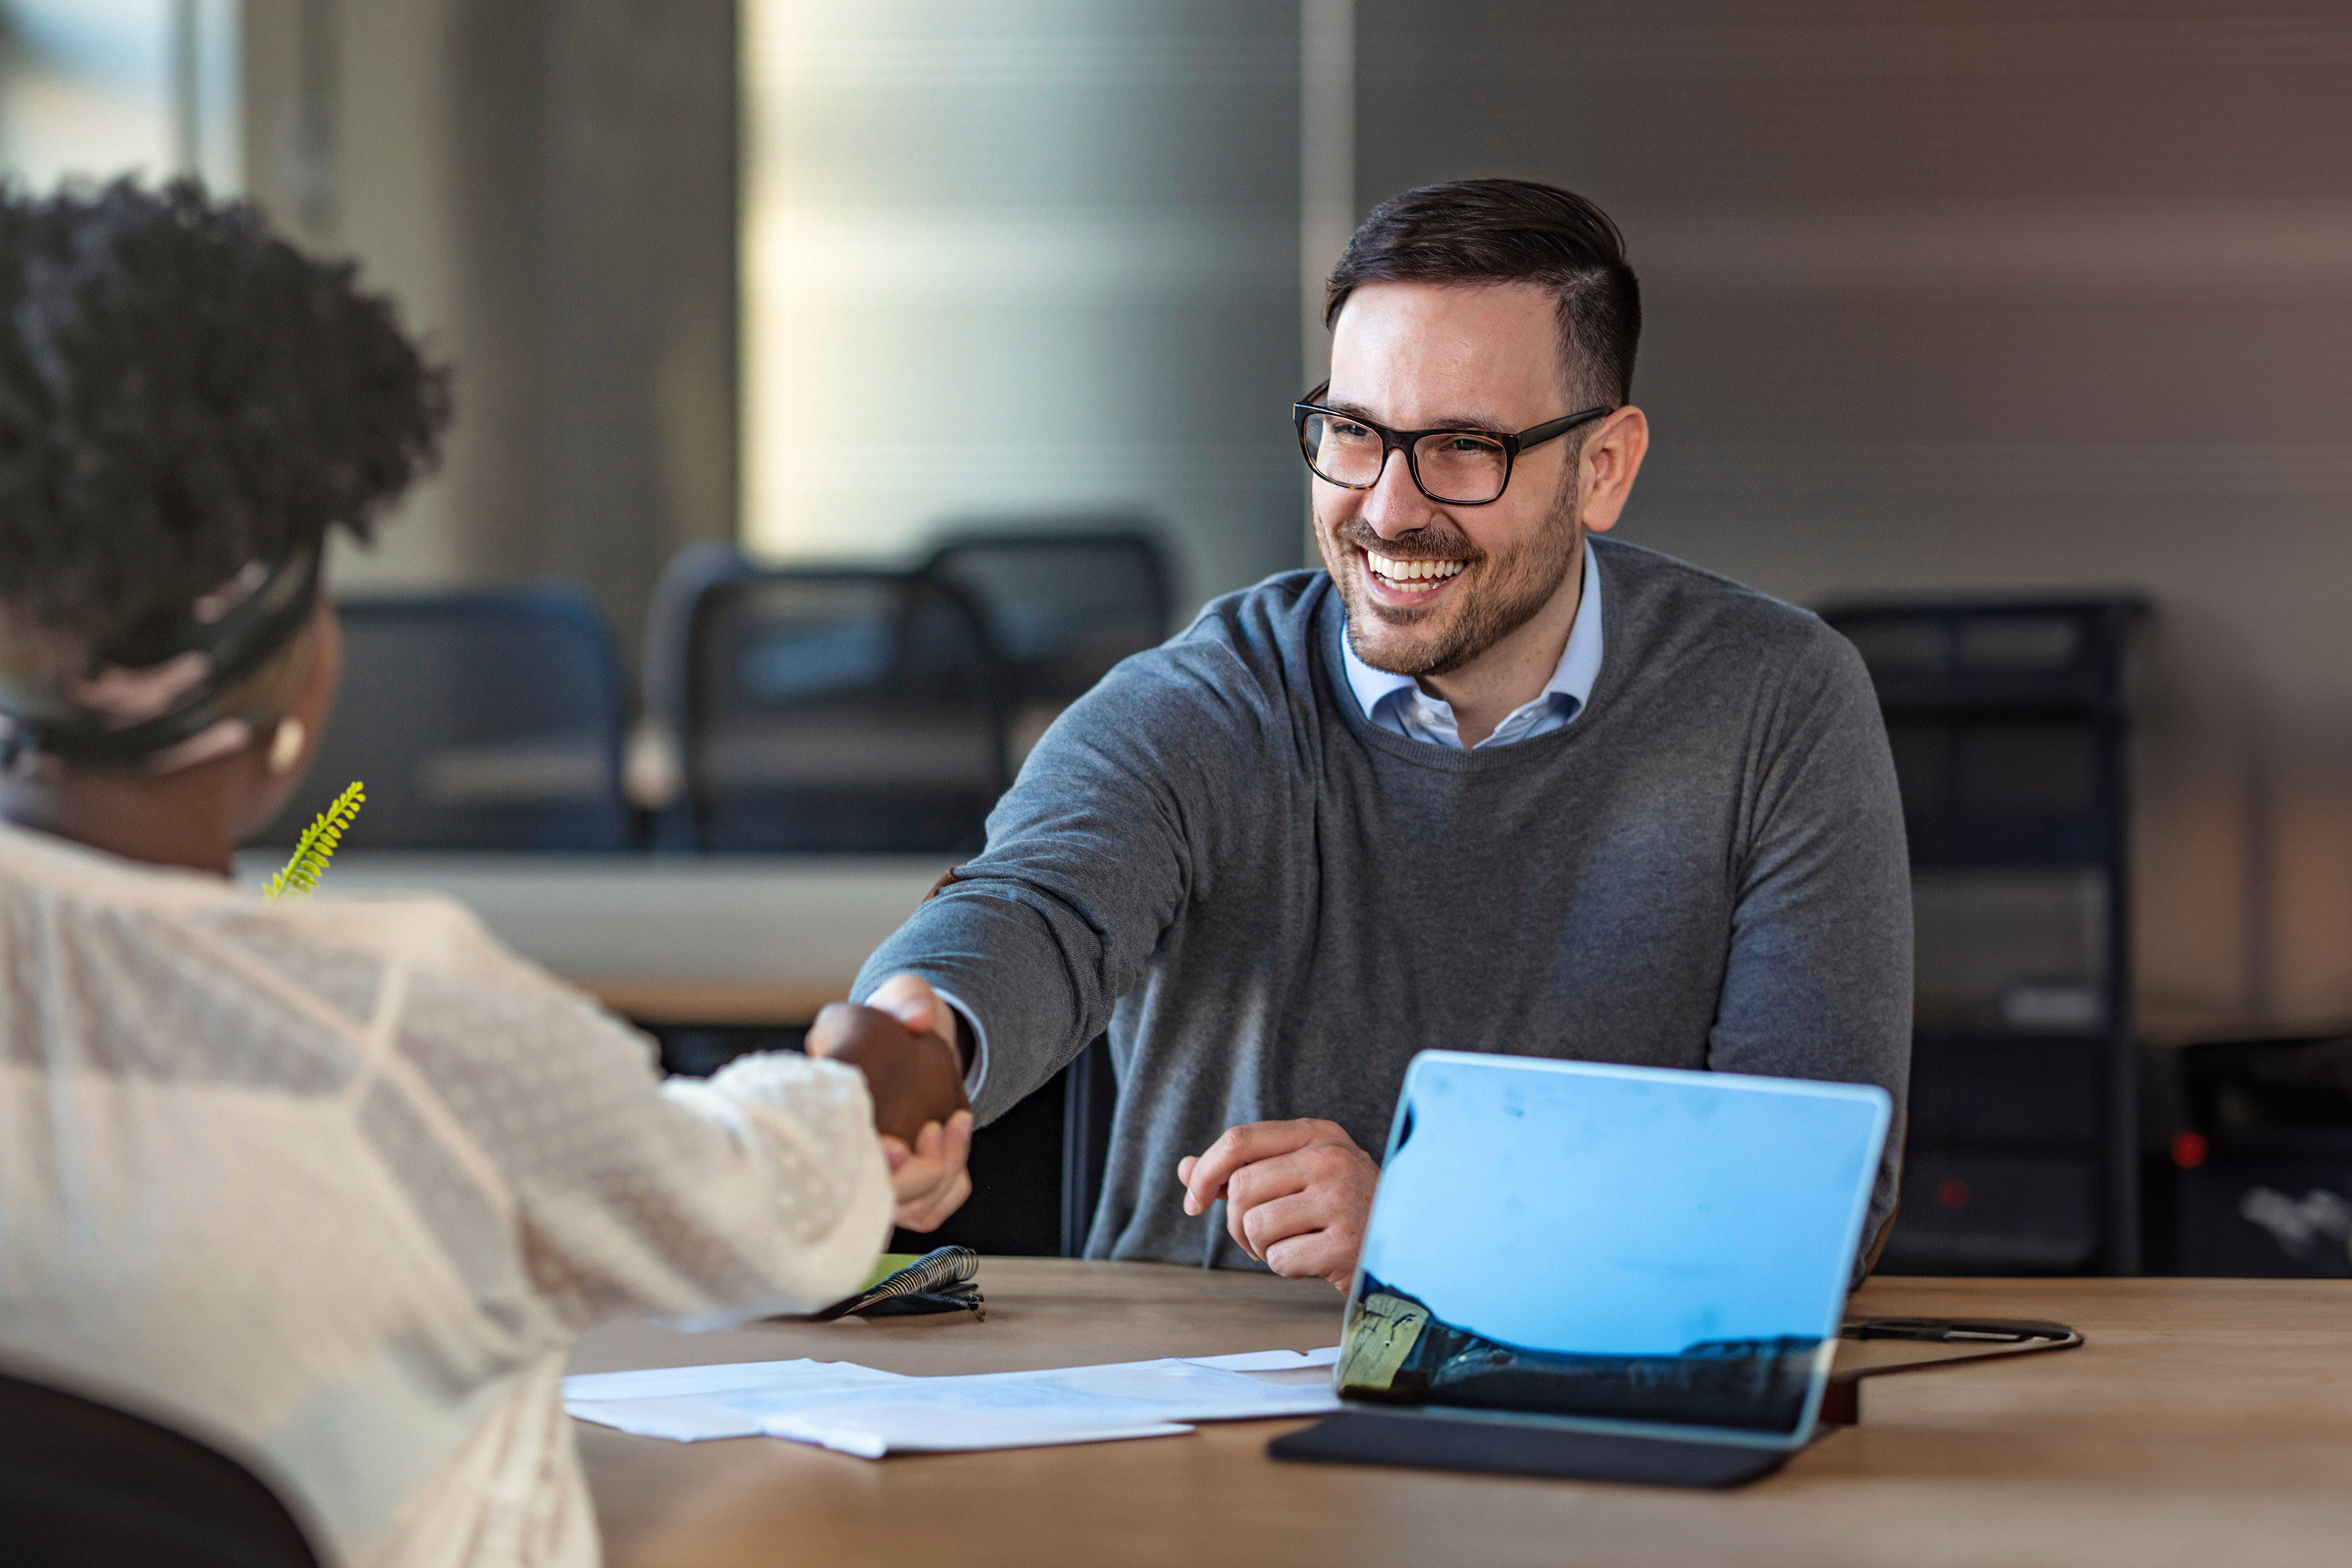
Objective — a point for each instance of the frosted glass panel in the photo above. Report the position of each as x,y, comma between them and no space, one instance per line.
100,87
1021,262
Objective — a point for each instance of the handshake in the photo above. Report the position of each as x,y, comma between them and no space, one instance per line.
906,1046
1297,1194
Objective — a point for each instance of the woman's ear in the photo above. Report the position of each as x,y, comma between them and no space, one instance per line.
284,753
288,745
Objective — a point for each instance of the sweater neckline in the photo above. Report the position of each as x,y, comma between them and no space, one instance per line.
1332,689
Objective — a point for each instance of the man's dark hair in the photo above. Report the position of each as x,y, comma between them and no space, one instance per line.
182,392
1511,231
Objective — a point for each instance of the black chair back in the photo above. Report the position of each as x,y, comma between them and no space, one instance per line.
84,1485
484,718
1089,1104
841,710
657,780
1062,608
1037,1171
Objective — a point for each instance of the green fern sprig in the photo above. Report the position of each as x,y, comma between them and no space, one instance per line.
317,846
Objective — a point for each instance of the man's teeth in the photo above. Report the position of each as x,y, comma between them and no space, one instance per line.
1413,576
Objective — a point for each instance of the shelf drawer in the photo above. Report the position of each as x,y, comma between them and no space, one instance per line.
2271,1219
1996,1213
1979,1091
2010,949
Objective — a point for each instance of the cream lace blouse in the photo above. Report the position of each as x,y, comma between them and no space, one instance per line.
339,1182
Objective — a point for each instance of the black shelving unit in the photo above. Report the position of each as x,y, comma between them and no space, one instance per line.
2008,722
2257,1181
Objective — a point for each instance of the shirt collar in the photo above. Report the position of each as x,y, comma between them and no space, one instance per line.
1572,679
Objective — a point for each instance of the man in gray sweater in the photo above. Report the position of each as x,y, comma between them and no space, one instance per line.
1487,784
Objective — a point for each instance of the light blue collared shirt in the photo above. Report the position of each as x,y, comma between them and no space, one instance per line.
1398,704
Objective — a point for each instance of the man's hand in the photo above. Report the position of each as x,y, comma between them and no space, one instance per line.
916,1077
930,1180
1297,1194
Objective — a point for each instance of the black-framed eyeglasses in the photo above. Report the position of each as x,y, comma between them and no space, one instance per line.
1452,467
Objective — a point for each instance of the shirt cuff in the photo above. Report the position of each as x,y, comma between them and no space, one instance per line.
977,1074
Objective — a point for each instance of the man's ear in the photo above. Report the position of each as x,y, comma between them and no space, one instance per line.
1612,457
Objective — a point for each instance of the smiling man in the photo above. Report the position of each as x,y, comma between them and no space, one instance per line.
1486,783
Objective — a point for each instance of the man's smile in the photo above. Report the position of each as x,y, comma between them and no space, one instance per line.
1393,580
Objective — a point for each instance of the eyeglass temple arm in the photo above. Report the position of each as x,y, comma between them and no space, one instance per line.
1562,426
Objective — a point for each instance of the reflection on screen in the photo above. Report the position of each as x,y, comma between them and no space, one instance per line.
1610,1243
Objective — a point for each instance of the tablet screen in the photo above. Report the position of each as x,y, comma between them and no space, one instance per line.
1608,1243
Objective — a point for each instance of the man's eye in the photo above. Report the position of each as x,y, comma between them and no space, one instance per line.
1349,430
1467,446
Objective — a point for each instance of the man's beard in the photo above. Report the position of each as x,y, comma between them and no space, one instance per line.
1522,585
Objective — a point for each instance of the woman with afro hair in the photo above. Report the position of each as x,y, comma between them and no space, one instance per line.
332,1184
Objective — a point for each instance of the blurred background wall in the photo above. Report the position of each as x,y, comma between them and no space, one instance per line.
1989,295
1980,295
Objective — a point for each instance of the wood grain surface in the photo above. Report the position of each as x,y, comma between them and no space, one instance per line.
2205,1422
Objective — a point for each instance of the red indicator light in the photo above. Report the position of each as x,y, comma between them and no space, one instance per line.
1952,1192
2188,1151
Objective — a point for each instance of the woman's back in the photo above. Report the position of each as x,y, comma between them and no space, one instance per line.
341,1181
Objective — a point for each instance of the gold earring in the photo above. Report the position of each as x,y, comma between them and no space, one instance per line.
285,745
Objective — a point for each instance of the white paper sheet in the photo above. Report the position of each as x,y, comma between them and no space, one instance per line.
1270,1361
858,1410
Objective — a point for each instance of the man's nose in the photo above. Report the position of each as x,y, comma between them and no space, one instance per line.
1395,505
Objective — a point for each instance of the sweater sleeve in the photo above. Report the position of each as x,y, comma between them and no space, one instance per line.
760,1190
1819,979
1090,856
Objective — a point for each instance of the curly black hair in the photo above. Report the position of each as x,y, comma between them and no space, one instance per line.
182,392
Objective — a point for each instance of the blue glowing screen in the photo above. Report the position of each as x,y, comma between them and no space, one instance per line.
1617,1244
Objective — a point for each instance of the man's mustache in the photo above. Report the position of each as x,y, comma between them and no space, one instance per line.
1418,544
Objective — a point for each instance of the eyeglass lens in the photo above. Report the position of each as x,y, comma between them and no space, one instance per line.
1459,465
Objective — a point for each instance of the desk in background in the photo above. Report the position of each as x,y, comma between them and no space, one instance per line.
667,939
2204,1422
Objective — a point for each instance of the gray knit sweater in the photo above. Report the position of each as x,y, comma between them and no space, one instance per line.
1272,904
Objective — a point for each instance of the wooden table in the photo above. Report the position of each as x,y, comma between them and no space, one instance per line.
668,939
2205,1423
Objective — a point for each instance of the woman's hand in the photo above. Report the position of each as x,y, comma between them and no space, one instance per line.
916,1079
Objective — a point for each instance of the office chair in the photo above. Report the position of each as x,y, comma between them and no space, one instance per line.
483,719
1089,1104
84,1485
657,760
1061,608
1037,1171
831,711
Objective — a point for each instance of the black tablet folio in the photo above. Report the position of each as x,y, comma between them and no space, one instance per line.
1494,1448
1608,1273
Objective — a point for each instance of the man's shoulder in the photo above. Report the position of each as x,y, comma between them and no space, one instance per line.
1660,600
1235,675
1278,612
1260,636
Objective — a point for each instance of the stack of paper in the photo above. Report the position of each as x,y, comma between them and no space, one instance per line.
857,1410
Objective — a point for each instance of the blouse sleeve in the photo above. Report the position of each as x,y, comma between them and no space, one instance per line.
758,1191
